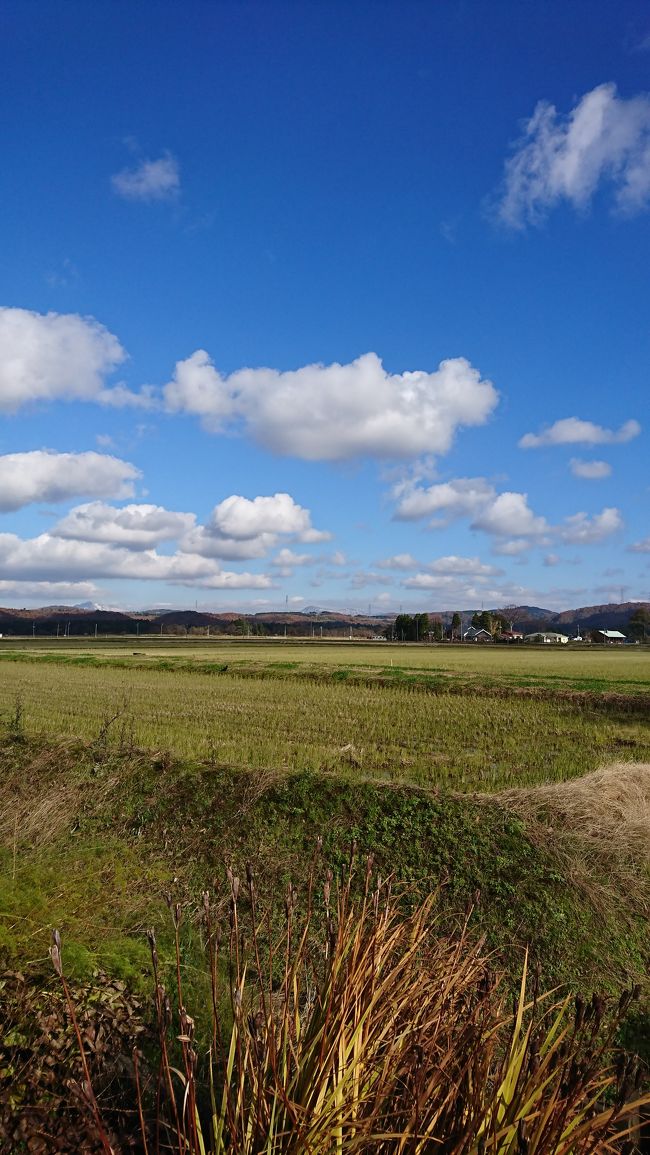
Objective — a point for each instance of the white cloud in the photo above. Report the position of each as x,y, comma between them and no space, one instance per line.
207,544
238,528
363,578
136,527
461,497
552,559
335,412
574,431
197,388
509,515
462,565
585,530
513,547
603,138
241,528
429,581
399,561
640,546
45,357
48,593
43,475
590,470
287,558
50,558
242,518
150,180
120,397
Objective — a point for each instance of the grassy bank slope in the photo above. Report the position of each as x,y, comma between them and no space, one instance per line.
91,839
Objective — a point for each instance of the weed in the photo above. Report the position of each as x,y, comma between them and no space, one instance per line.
372,1033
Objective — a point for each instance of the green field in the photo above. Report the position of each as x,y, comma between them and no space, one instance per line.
589,667
466,719
128,771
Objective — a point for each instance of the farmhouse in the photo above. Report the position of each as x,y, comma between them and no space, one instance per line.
474,634
547,638
614,637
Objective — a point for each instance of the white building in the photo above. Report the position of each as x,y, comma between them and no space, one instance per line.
547,638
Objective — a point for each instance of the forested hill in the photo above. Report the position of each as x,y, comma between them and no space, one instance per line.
80,621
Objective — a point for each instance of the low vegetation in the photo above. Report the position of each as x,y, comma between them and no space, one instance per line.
396,725
126,782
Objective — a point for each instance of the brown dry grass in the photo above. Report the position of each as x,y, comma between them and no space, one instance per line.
40,800
599,825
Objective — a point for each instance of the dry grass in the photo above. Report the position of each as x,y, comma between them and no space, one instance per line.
38,803
601,821
374,1035
461,741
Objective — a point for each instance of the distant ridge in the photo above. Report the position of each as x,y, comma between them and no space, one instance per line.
79,621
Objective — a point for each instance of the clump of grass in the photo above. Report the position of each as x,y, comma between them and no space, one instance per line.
377,1035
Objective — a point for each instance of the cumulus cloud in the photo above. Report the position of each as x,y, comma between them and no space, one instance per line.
45,357
43,475
446,500
399,561
198,388
98,540
136,527
335,412
509,515
585,530
590,470
241,527
288,558
149,180
47,557
512,547
244,518
462,565
429,581
506,516
604,138
574,431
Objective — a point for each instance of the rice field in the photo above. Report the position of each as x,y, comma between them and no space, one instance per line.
269,711
624,668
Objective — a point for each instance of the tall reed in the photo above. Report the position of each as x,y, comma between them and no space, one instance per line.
357,1027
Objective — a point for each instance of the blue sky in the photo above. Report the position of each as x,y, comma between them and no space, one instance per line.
345,303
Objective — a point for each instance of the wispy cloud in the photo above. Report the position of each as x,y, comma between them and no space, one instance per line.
604,138
149,180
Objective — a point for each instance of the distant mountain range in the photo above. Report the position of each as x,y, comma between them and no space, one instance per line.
85,620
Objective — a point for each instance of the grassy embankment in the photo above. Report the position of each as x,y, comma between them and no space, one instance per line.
125,776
